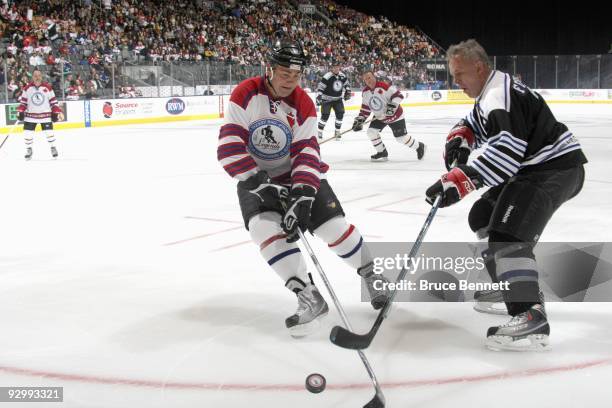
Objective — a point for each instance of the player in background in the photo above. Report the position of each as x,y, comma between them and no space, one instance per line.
383,101
268,141
332,91
532,163
38,104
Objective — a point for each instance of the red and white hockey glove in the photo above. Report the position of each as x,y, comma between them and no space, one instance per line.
454,185
459,144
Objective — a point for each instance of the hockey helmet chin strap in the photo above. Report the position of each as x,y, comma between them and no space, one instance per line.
269,76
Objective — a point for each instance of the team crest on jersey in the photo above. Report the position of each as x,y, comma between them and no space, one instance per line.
376,104
38,99
337,86
269,139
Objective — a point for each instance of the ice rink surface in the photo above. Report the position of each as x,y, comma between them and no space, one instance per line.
128,279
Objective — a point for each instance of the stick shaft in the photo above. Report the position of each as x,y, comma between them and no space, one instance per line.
343,132
9,133
340,309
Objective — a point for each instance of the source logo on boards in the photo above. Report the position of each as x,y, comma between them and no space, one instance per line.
175,106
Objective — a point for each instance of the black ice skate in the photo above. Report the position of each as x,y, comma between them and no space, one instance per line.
380,156
337,134
320,134
311,309
28,154
527,331
53,151
490,301
378,297
421,150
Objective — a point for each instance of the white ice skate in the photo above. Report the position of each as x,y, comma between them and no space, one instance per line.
311,309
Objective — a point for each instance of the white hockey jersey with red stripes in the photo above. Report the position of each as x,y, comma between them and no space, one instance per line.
38,102
276,135
375,101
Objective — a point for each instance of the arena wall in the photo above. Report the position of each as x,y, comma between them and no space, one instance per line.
112,112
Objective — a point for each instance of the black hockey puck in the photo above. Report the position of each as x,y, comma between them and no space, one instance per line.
315,383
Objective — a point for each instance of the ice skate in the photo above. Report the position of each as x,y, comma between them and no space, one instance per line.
54,151
311,309
527,331
320,134
28,154
337,134
378,297
421,150
490,301
380,156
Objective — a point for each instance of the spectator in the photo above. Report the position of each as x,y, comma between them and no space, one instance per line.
73,91
237,33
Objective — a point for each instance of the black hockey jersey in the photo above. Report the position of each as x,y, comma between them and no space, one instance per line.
518,131
332,87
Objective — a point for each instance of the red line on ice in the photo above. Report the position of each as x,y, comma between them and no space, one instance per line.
378,208
505,375
231,246
191,217
360,198
201,236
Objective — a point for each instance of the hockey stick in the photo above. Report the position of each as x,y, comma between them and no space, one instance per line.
378,401
346,338
9,133
343,132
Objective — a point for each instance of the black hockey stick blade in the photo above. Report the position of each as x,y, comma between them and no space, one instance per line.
377,402
344,338
347,339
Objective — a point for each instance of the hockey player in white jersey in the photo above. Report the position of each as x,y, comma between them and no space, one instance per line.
269,142
38,104
383,101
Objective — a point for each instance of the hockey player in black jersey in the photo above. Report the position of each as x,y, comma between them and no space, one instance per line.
332,91
532,164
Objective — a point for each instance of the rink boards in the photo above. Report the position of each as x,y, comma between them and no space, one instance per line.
111,112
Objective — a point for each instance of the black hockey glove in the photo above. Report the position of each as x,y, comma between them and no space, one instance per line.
21,116
459,144
299,204
358,123
454,185
391,109
319,100
54,117
347,95
263,187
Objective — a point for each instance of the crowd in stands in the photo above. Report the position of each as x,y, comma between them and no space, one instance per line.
86,38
